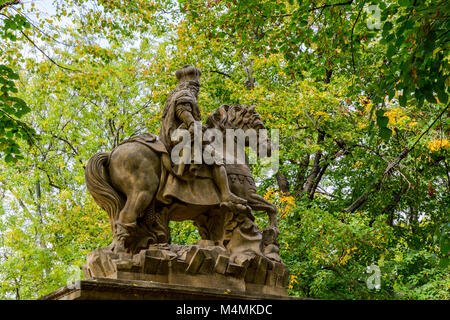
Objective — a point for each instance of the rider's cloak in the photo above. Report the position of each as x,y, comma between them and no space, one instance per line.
198,191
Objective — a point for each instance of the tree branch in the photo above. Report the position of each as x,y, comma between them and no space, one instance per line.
283,182
221,73
332,5
391,166
47,56
8,4
351,35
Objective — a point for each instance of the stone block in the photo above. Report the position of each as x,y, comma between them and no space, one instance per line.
250,275
163,267
285,278
122,289
169,255
271,279
260,275
94,263
216,251
178,266
278,268
235,270
196,261
191,266
191,253
151,264
207,266
280,280
221,264
156,253
124,265
108,267
251,270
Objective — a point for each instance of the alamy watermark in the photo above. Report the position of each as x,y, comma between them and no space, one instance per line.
374,19
73,277
374,280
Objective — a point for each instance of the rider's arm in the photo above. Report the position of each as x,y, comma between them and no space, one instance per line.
184,113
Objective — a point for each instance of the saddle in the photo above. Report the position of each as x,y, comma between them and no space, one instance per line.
198,191
150,140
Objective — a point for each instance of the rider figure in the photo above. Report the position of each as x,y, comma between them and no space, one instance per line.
182,111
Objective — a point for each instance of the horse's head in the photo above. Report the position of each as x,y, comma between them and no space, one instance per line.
238,116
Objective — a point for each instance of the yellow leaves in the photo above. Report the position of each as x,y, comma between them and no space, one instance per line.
397,117
14,235
269,194
361,125
325,115
436,50
344,259
437,144
357,164
366,103
61,165
65,194
284,202
288,200
293,280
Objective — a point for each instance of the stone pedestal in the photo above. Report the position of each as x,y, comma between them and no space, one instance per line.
118,289
171,272
204,266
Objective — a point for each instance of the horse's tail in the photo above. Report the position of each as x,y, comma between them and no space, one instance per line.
97,182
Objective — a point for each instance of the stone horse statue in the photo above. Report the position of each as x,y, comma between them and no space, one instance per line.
126,181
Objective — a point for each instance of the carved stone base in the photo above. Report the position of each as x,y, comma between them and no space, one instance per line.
114,289
202,266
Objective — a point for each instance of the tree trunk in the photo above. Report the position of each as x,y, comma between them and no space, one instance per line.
283,183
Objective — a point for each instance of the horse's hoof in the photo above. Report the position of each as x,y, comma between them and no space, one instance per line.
118,248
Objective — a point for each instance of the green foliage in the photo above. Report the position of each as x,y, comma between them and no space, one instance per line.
12,108
331,259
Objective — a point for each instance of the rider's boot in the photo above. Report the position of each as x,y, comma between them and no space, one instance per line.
231,197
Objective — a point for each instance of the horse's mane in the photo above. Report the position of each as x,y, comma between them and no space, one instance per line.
229,116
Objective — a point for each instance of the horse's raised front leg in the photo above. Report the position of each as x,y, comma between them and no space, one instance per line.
258,203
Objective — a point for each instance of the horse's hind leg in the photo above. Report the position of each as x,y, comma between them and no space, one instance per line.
135,171
134,207
126,225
